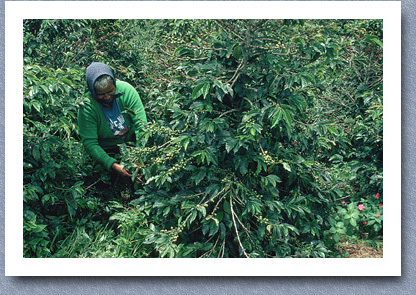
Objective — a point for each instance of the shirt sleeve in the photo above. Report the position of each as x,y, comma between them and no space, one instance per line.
88,126
134,103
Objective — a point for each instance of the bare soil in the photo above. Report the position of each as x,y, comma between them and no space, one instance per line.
360,249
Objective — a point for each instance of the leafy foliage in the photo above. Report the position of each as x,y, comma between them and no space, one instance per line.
258,129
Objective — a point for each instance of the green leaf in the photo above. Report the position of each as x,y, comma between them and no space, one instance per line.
342,211
241,164
332,130
278,113
45,89
230,144
288,118
355,213
200,156
223,231
273,179
305,208
193,216
286,166
201,89
226,207
260,165
230,48
166,211
37,105
214,228
237,51
202,210
373,40
39,228
36,152
198,178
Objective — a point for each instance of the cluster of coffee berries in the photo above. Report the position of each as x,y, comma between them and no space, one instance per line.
136,154
161,130
225,179
165,157
146,150
178,166
272,102
231,178
174,232
171,153
250,122
252,175
258,196
152,155
268,159
156,161
263,220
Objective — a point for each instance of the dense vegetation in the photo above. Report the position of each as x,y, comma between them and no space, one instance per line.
265,138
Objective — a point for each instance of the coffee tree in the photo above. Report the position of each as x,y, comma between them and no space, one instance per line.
234,163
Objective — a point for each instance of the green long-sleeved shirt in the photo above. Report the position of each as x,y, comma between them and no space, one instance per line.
96,134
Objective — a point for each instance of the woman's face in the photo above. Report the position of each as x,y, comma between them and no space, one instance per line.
106,95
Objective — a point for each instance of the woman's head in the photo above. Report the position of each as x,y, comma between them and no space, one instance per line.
99,75
105,89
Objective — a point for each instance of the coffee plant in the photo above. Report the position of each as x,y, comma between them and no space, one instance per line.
264,138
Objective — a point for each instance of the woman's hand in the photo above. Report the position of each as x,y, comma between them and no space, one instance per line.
120,169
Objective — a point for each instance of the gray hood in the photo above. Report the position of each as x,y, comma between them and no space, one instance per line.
94,71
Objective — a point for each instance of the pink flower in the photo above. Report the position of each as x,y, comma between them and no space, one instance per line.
364,222
343,203
380,205
361,207
377,195
378,214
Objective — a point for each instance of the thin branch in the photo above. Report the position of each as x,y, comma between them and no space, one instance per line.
216,205
336,101
210,250
346,197
222,250
182,59
88,187
251,103
236,73
235,227
191,196
222,24
227,112
245,229
211,199
166,143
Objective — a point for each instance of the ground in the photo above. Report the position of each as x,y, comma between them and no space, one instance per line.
361,249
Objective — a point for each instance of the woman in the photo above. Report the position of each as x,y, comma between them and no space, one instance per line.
114,114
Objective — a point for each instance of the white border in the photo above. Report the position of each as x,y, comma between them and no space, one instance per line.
16,265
